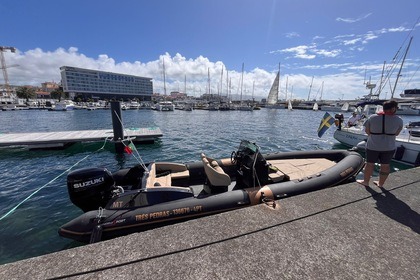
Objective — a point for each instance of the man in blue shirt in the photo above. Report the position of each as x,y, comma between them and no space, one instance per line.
382,129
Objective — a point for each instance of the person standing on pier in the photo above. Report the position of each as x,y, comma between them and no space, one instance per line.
382,129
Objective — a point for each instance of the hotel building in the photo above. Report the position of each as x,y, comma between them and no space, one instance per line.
94,84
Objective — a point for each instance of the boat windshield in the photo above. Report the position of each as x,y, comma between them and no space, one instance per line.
247,147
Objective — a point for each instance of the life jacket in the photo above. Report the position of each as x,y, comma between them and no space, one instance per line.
383,126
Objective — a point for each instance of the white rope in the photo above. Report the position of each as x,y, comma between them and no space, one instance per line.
64,172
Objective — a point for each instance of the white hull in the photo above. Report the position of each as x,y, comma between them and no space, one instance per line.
408,112
165,106
64,106
409,144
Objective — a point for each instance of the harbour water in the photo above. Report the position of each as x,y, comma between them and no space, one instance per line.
35,181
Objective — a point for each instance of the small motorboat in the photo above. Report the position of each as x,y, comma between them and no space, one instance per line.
407,143
160,193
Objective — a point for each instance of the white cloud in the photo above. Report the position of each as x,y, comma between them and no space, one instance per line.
310,52
37,66
300,52
353,20
292,35
351,42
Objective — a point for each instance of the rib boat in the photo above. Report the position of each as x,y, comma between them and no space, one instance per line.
148,196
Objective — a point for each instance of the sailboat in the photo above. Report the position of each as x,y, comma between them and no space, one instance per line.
315,108
273,95
165,105
289,106
244,107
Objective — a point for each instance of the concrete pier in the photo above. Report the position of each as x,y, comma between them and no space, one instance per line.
345,232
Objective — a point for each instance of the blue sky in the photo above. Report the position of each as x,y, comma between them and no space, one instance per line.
336,43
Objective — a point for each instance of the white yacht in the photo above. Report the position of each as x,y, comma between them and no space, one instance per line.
165,106
64,105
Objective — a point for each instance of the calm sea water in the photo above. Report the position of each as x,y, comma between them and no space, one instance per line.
31,229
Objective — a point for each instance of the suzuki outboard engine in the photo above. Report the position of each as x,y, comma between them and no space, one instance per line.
90,188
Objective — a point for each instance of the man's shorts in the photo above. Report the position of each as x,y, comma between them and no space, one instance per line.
383,157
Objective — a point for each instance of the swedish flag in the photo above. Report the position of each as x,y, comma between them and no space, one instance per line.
326,122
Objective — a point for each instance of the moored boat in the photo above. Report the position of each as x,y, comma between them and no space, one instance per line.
64,105
139,198
407,142
165,106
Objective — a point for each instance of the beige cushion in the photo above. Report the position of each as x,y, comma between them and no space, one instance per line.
215,174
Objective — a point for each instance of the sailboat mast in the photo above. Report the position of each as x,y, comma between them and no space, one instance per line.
287,82
227,84
310,88
164,77
278,87
399,72
242,80
221,84
208,80
382,77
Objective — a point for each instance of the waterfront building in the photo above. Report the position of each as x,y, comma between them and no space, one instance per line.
93,84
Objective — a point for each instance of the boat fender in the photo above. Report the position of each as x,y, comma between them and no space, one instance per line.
361,145
399,153
417,162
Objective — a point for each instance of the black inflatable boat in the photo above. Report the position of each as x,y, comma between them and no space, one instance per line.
138,199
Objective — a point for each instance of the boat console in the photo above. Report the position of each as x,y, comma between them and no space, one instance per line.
252,168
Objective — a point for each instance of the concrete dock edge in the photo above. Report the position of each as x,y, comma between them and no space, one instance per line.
344,232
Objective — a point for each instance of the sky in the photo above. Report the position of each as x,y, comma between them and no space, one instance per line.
324,49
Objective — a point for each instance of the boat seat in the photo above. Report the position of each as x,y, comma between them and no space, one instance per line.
215,174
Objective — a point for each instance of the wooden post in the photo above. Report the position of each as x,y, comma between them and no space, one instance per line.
117,126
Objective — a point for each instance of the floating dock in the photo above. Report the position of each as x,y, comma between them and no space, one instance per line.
44,140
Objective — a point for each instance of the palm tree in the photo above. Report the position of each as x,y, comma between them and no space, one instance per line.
26,92
57,93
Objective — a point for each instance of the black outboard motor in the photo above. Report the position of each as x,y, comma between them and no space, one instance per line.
339,119
90,188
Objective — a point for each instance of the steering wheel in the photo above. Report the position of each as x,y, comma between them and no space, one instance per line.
233,157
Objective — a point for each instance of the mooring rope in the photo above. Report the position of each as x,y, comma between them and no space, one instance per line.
64,172
137,155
